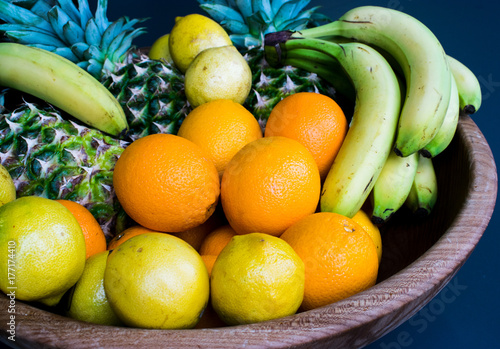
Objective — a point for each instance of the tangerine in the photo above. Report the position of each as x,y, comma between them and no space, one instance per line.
216,240
196,235
95,240
166,183
313,119
340,258
221,128
209,261
127,234
268,185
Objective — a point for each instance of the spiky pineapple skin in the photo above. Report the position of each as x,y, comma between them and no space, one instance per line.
151,93
52,157
270,85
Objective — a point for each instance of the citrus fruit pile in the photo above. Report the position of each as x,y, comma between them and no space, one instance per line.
226,227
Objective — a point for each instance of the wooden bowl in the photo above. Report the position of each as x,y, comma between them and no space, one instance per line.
420,258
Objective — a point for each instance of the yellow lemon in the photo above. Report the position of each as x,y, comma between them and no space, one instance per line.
46,249
88,300
218,73
156,280
191,35
365,222
7,187
256,277
160,50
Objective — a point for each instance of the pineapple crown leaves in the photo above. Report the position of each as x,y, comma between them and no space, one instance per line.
91,41
247,21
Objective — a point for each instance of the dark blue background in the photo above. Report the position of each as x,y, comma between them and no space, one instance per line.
466,313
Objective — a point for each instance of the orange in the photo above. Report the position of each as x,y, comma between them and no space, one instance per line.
216,240
268,185
313,119
95,240
220,128
366,223
209,261
127,234
340,257
196,235
166,183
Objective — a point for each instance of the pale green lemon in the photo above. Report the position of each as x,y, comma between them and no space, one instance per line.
7,187
218,73
256,277
44,249
156,280
88,300
191,35
160,50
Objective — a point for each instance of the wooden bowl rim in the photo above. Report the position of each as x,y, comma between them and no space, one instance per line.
395,298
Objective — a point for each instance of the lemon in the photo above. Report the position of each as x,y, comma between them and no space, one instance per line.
156,280
46,249
256,277
191,35
7,187
88,300
371,229
218,73
160,50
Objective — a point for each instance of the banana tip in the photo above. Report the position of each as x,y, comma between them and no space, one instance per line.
377,220
469,109
421,212
425,153
122,133
398,152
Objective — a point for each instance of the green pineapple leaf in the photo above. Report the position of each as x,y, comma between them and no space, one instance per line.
15,14
74,33
247,21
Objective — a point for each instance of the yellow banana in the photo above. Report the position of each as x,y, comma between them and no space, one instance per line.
63,84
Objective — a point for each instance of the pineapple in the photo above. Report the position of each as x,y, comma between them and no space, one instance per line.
247,22
49,156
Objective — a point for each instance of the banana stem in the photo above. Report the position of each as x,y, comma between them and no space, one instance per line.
335,77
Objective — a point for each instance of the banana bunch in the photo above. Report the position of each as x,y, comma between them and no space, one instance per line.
62,83
407,92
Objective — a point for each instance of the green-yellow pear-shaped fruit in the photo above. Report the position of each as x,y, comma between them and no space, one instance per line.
218,73
88,301
192,34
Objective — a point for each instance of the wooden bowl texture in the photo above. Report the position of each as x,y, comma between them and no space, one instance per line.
420,256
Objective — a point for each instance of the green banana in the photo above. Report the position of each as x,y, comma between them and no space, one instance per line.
62,83
469,90
393,186
371,134
424,190
417,51
447,130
